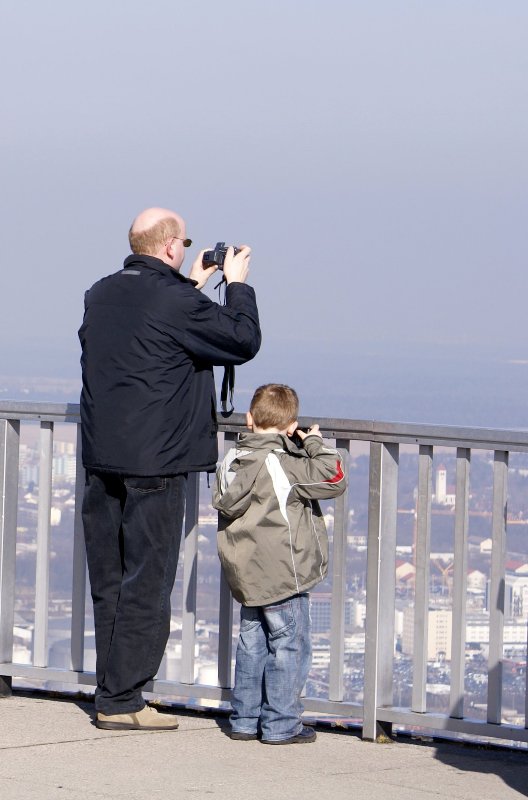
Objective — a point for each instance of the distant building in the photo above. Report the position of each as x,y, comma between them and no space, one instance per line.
64,468
404,570
515,596
29,473
485,546
441,496
321,611
477,631
320,656
441,484
63,448
357,540
438,633
476,581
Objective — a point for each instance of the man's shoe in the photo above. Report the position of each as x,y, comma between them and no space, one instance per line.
306,735
242,737
148,719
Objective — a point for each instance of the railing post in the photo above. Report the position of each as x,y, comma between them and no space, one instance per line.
381,579
497,586
422,556
190,565
9,448
79,567
225,633
225,615
339,550
40,637
458,635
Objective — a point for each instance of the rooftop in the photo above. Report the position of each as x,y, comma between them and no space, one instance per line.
51,749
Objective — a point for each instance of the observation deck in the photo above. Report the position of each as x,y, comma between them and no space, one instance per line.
49,750
53,750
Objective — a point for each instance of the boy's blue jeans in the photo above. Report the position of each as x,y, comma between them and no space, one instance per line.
273,659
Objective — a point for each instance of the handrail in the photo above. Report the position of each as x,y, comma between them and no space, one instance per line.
411,433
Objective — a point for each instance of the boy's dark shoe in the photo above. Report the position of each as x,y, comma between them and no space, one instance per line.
306,735
243,737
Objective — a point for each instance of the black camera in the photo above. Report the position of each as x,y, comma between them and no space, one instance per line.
298,439
216,256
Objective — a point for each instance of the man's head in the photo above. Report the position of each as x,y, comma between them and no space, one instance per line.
161,233
274,407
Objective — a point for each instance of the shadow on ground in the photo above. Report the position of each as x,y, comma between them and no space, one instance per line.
511,766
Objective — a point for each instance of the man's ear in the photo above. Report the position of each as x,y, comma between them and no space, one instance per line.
249,420
292,427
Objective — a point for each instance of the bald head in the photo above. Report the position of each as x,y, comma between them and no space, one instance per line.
153,230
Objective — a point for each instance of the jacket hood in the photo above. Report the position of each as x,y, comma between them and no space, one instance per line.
232,498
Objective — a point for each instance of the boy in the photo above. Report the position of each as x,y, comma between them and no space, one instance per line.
273,547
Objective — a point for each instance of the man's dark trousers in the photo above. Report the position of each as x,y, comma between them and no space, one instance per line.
132,528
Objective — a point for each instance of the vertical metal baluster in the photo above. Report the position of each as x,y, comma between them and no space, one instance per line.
381,582
79,566
458,635
526,692
9,449
190,565
225,619
497,586
422,561
339,550
40,639
387,573
225,634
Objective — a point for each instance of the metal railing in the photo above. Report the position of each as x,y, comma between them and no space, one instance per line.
385,440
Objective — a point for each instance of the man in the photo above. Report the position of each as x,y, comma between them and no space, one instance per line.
149,341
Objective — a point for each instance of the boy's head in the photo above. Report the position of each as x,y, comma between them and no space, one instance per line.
274,407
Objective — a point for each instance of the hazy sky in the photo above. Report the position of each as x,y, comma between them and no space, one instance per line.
374,154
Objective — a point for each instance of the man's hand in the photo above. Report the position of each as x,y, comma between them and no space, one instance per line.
236,268
314,431
198,273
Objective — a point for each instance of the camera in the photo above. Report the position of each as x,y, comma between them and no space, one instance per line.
216,256
296,438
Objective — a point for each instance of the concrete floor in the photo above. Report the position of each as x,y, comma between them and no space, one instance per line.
50,749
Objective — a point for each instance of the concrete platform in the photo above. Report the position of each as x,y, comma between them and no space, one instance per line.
50,749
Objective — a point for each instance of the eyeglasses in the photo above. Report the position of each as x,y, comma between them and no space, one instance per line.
185,242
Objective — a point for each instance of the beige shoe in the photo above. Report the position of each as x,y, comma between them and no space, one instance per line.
148,719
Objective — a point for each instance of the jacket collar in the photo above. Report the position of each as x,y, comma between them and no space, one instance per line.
267,441
150,262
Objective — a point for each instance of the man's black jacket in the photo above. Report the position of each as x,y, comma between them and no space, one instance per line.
149,342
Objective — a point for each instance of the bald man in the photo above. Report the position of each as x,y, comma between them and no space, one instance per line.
149,341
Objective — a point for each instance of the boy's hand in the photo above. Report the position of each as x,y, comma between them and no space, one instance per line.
313,431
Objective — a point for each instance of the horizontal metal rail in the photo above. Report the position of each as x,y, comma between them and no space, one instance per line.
334,428
378,711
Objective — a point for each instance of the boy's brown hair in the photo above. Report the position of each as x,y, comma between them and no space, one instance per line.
274,405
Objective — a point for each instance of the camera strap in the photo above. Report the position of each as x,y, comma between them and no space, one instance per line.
227,391
221,285
228,381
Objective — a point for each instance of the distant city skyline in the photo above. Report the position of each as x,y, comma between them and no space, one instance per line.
441,582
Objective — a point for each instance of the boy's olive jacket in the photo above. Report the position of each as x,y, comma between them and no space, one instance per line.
272,540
